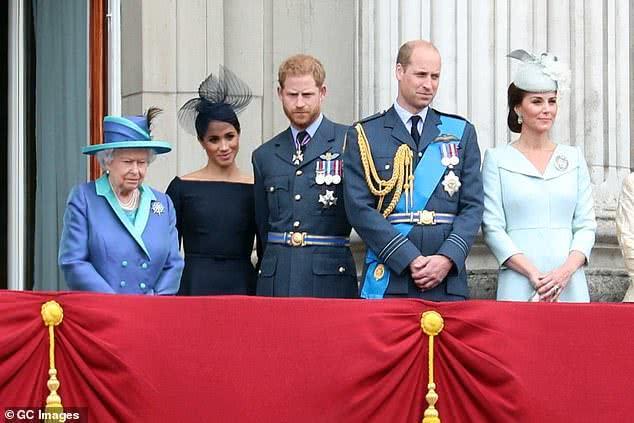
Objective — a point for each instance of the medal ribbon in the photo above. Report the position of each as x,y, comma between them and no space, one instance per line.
427,175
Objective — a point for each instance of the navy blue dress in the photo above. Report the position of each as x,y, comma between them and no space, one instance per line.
216,223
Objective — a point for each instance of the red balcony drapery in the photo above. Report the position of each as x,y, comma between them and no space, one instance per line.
240,359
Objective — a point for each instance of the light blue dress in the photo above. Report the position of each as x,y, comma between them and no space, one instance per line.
544,217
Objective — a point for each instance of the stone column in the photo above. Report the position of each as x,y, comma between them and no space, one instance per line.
170,46
474,38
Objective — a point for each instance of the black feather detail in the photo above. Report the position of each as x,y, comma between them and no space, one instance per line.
151,113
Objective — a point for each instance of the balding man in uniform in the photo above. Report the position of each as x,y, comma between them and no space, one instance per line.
413,188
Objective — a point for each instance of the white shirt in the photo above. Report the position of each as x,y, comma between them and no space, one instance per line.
406,117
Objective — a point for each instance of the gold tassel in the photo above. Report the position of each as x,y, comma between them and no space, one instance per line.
52,314
432,324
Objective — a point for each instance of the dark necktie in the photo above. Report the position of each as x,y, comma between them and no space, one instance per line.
415,119
301,140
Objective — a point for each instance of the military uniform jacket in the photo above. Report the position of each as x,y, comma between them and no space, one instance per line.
287,200
386,133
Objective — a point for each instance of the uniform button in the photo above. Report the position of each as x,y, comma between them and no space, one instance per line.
144,265
387,167
142,285
341,269
420,154
296,224
259,272
298,172
122,284
124,263
298,197
271,189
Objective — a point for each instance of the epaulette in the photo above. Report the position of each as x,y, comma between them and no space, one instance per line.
451,115
372,117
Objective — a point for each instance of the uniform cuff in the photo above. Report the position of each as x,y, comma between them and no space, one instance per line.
400,254
456,249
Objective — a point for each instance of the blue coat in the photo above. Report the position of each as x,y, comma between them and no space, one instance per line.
287,200
544,217
102,251
386,133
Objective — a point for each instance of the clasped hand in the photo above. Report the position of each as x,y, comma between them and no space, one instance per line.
550,285
429,271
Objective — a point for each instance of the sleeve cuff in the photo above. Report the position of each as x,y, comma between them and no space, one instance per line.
456,250
399,255
583,244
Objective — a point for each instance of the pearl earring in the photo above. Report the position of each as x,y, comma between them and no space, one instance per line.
107,172
519,119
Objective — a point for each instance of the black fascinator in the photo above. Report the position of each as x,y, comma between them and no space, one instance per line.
219,98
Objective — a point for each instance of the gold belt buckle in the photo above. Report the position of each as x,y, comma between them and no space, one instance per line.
427,217
298,239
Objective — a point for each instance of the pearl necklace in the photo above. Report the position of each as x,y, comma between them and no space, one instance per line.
132,203
129,205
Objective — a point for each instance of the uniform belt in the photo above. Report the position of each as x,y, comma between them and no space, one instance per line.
302,239
424,217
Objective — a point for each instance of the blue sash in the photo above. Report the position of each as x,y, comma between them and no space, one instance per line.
426,177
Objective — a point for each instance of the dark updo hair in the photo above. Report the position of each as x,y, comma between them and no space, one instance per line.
208,111
219,98
515,97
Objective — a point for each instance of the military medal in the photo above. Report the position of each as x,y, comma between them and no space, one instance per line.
328,199
449,154
328,177
379,271
320,172
301,139
330,167
561,162
337,171
157,208
298,157
451,183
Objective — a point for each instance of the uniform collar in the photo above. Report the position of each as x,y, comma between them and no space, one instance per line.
405,116
311,129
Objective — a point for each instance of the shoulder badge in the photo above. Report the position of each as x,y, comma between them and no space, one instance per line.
450,115
369,118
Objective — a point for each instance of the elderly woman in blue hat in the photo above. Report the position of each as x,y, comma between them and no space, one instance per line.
119,234
538,211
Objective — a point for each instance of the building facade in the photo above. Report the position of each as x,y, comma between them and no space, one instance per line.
167,47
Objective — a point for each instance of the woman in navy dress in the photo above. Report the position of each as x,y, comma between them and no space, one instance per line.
214,205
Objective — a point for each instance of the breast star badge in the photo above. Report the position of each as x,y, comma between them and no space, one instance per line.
451,183
328,199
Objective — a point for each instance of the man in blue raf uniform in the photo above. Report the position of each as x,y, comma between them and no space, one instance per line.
299,203
413,188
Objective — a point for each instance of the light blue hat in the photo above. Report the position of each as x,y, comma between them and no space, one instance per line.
539,74
127,132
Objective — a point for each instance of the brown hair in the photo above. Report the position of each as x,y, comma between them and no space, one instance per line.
299,65
515,97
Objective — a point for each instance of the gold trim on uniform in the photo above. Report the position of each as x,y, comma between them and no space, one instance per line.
402,174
